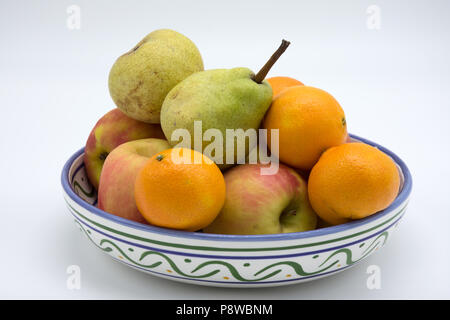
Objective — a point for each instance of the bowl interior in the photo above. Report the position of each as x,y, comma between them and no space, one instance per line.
79,189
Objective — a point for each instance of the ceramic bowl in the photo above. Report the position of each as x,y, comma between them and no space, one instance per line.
231,260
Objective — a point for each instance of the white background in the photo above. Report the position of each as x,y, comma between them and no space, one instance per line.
393,84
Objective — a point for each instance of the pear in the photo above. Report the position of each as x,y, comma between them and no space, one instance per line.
222,99
140,79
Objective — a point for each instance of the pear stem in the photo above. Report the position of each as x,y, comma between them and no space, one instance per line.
259,77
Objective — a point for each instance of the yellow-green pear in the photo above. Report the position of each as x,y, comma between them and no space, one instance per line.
140,79
219,107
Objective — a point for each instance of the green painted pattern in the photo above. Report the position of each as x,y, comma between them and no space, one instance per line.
108,246
369,250
207,248
89,194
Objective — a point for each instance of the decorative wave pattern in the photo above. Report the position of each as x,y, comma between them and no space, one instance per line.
89,194
80,183
203,269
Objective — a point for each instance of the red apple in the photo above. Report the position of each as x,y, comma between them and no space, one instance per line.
264,204
116,190
113,129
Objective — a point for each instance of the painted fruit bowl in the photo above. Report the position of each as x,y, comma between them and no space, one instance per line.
231,260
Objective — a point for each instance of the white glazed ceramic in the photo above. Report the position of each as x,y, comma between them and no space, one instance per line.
230,260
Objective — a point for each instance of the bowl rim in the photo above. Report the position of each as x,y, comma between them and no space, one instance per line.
400,199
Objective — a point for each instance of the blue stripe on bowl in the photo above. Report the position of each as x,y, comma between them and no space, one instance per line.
235,257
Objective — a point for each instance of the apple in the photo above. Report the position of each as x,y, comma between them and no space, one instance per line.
113,129
264,204
116,189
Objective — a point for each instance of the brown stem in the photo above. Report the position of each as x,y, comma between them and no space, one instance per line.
259,77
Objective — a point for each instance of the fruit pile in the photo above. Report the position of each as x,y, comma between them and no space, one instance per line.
225,151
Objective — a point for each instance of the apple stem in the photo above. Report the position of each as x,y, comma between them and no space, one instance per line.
260,76
103,156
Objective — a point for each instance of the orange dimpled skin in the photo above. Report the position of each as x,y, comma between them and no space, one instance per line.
352,181
278,84
309,120
185,196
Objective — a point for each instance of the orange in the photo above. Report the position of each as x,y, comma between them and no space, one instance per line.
278,84
352,181
309,120
184,195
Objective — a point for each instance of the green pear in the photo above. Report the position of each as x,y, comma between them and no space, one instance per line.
224,100
140,79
